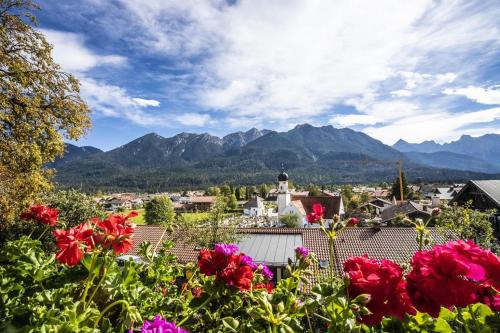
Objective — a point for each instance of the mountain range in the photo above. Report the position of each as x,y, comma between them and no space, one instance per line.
310,154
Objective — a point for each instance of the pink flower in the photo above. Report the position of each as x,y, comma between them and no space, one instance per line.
159,325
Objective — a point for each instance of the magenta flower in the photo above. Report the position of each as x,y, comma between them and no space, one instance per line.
246,260
301,252
267,272
159,325
226,249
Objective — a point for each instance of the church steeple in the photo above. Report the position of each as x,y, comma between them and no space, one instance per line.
284,196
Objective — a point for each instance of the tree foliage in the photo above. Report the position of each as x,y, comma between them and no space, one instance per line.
159,210
39,106
396,189
467,223
290,220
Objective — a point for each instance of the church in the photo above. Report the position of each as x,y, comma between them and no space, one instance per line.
301,205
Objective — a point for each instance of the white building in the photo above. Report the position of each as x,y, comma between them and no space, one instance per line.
301,205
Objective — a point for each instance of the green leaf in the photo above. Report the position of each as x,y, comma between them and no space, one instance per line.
231,323
442,326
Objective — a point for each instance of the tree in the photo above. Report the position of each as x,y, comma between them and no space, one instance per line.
263,191
232,202
396,189
237,192
364,197
467,223
213,191
39,107
159,210
74,207
290,220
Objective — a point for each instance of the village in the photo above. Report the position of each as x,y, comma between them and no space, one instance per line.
270,228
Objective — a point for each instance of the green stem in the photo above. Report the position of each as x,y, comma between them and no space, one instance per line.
275,328
461,317
194,310
122,301
332,257
43,233
309,321
98,285
90,279
474,319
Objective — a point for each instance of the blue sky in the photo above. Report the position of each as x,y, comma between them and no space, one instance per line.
416,70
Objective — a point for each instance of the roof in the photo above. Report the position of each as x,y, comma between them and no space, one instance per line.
396,244
406,207
299,206
490,188
202,199
271,249
331,204
274,246
255,202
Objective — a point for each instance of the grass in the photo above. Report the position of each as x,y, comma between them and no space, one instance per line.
190,217
139,219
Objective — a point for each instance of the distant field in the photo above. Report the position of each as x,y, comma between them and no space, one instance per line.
190,217
139,219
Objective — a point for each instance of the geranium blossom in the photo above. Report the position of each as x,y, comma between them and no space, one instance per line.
317,213
227,265
73,243
383,281
267,286
42,214
454,274
226,249
301,252
159,325
353,221
117,232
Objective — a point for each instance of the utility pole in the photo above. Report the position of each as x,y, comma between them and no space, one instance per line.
400,181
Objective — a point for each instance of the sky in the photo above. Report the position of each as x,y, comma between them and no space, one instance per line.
417,70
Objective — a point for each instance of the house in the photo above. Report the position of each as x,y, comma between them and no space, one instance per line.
482,195
445,194
274,246
408,208
201,203
254,207
301,205
116,203
375,206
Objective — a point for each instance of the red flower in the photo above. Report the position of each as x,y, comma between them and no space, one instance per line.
449,275
383,281
211,262
267,286
42,214
233,269
353,221
73,243
118,232
317,213
196,291
237,273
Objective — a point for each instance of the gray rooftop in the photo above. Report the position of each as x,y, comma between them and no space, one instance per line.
271,249
490,187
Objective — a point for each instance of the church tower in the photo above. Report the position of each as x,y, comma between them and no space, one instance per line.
284,196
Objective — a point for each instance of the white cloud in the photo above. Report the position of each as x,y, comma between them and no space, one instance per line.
438,125
481,95
70,52
193,119
283,62
401,93
146,102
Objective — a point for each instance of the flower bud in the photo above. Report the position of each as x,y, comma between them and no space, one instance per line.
281,307
362,299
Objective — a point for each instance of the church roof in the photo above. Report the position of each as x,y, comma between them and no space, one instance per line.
331,204
299,206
